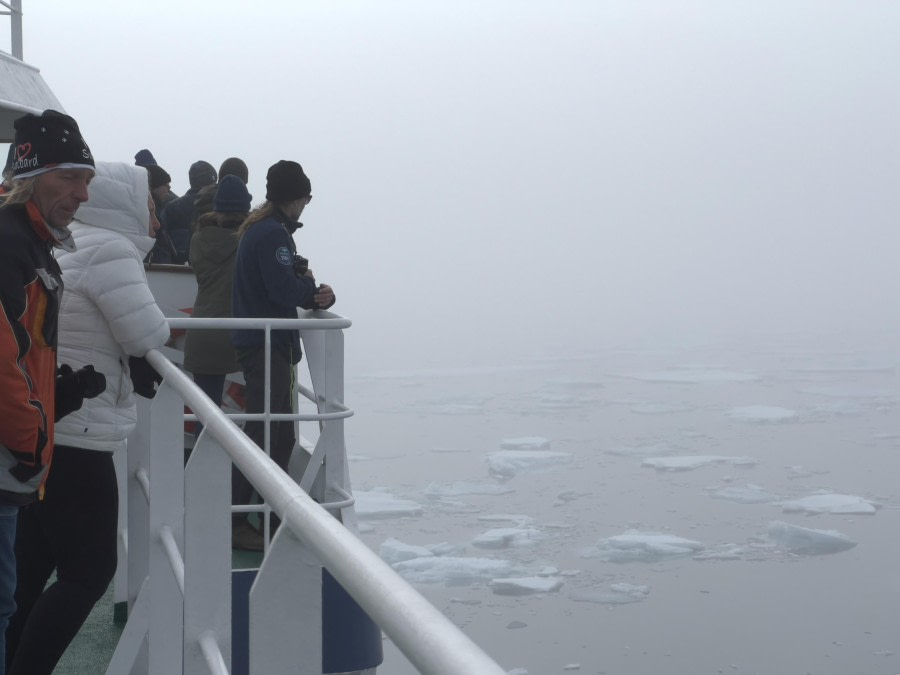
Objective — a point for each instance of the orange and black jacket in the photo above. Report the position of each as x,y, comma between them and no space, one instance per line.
30,290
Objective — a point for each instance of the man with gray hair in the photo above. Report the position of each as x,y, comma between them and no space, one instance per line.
45,181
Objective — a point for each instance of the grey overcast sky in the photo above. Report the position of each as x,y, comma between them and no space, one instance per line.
497,179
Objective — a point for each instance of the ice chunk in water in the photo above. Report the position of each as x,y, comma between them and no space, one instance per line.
762,413
636,546
394,551
688,463
454,571
805,541
644,450
508,463
525,443
463,488
504,537
830,503
525,585
660,408
693,376
618,594
379,503
747,494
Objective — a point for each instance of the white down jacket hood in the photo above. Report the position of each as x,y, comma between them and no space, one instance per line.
107,312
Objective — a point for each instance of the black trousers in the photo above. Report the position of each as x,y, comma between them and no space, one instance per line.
281,439
73,531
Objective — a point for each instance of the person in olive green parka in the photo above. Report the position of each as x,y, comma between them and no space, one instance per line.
208,354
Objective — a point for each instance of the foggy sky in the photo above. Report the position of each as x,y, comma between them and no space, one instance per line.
498,179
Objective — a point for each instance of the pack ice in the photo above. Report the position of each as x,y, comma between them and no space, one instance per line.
805,541
636,546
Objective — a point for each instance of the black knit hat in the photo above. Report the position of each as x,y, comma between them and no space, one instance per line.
202,173
48,141
144,158
232,196
158,176
286,182
234,166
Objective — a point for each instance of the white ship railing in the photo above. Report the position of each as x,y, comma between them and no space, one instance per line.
13,9
179,536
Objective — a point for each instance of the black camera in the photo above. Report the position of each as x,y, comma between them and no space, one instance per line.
301,265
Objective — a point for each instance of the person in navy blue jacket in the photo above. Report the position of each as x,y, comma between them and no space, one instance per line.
271,280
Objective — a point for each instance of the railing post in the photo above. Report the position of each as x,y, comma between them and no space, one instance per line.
16,29
166,510
207,552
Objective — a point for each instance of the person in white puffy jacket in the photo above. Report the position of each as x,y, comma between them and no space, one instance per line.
108,317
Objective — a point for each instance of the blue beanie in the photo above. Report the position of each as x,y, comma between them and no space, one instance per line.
232,196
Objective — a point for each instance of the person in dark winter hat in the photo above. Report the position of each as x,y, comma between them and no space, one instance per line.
46,181
208,354
46,142
179,213
271,280
286,182
144,158
159,177
201,174
234,166
232,196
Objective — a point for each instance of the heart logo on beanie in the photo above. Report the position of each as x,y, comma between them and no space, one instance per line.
23,150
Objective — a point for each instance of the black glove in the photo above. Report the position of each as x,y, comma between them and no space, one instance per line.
72,387
143,376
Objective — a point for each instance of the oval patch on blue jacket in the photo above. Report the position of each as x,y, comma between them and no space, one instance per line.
283,255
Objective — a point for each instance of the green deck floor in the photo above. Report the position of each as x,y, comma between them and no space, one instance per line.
90,652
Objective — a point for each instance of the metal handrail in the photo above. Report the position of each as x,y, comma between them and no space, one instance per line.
428,638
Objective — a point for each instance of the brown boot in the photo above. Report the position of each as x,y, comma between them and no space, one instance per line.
245,537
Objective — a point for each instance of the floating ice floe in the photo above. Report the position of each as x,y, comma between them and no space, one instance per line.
463,488
692,376
520,519
721,552
844,391
636,546
454,571
507,537
559,402
644,450
805,541
839,408
525,443
830,503
509,463
525,585
660,408
762,413
394,551
745,494
689,463
379,503
618,594
576,385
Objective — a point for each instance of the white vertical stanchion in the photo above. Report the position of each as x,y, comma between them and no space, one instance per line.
166,510
207,552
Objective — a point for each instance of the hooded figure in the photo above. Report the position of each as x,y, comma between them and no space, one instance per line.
108,318
209,354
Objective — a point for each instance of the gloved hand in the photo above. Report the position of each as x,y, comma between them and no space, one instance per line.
143,376
72,387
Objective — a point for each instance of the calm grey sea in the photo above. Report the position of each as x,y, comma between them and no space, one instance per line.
802,419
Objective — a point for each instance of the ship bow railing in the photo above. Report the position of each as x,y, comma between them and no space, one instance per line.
175,553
